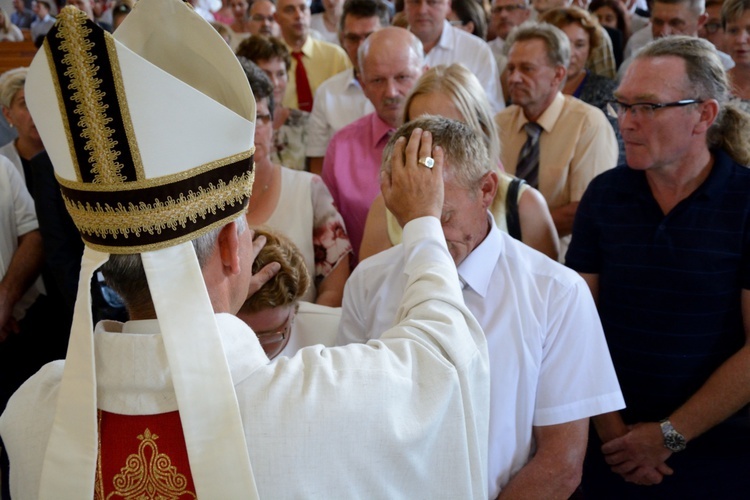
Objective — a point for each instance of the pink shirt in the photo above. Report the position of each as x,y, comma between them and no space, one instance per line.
351,171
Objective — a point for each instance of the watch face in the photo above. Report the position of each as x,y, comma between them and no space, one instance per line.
674,441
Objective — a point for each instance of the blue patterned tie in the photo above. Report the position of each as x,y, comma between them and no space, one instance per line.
528,159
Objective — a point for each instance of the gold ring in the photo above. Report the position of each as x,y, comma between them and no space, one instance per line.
427,161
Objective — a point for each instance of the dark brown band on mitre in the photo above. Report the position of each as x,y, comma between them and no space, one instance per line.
160,215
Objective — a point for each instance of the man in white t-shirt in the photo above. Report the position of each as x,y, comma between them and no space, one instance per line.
550,367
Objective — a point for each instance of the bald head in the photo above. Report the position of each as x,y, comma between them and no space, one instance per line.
391,60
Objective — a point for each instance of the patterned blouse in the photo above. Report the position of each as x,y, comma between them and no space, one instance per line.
289,141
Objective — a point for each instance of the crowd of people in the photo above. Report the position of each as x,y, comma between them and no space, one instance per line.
273,240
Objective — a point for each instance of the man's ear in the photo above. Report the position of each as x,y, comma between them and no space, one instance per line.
228,246
702,20
709,113
560,73
489,186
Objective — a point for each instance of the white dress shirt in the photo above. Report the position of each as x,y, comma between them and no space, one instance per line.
549,358
458,46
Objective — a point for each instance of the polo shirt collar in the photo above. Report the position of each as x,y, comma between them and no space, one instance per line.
718,178
714,186
474,271
379,128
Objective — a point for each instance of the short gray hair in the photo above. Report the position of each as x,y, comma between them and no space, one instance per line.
556,41
10,83
124,273
464,149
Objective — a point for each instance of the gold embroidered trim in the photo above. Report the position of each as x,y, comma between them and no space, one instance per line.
127,122
84,85
149,474
157,181
105,220
171,242
61,100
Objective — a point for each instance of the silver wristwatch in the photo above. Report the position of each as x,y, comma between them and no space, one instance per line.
673,440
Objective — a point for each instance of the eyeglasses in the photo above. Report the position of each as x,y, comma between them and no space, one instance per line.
712,27
274,342
508,8
617,109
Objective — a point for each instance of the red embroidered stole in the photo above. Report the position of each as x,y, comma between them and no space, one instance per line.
142,457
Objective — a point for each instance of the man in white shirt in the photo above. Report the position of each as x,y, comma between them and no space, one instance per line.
446,44
340,100
549,363
671,17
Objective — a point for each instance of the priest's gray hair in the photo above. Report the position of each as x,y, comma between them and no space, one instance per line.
126,276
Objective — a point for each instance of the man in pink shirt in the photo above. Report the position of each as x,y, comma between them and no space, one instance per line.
391,61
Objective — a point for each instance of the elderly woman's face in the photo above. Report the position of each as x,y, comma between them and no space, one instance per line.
272,326
580,46
263,130
19,117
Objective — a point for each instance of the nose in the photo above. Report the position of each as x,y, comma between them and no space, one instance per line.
513,76
391,89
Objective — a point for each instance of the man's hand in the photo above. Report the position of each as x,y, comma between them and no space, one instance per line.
413,190
639,456
267,272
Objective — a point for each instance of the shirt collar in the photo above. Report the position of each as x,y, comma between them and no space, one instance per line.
549,117
306,49
447,37
715,184
473,271
380,129
352,80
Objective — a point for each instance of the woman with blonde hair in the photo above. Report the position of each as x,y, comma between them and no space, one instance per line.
28,144
9,32
520,210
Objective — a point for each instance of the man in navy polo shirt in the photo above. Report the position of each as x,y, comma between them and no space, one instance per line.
664,244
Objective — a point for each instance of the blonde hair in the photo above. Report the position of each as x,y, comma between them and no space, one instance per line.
565,16
10,83
467,94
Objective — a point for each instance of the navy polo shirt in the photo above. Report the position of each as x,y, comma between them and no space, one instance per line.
669,285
